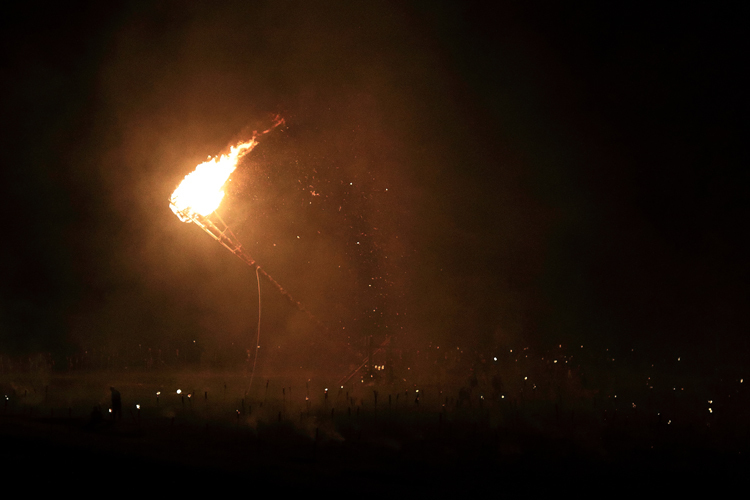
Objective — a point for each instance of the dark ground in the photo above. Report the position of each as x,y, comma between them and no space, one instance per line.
273,439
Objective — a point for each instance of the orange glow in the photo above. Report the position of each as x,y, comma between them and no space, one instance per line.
202,190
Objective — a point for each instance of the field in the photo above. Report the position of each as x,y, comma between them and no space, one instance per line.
292,434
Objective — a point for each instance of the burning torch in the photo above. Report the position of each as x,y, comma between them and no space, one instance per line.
199,195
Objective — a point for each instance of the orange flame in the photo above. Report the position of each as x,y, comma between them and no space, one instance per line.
202,190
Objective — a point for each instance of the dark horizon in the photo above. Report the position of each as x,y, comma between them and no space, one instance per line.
448,173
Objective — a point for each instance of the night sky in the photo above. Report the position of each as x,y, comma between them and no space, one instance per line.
448,172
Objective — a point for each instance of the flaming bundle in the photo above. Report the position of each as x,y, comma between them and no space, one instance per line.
200,194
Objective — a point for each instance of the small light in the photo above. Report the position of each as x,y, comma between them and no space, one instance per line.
137,407
179,391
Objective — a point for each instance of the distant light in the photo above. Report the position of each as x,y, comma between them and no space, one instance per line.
179,391
137,407
495,358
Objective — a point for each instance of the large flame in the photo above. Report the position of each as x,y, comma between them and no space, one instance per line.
202,190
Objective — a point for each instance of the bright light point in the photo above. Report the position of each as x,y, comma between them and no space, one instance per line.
138,407
526,378
495,358
159,392
710,410
179,391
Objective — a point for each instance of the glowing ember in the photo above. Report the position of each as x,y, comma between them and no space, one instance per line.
202,190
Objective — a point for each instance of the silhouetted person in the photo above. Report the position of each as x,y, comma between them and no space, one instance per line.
497,386
116,404
95,418
464,396
473,381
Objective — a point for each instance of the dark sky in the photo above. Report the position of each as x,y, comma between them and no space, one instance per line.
448,171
